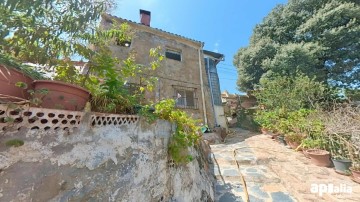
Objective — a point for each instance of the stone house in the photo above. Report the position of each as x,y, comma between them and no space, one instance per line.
248,100
182,74
230,102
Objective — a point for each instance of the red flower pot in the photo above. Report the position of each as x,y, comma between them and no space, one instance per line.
62,95
319,157
355,175
293,145
8,78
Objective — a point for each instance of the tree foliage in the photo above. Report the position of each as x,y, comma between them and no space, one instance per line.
40,31
290,93
316,37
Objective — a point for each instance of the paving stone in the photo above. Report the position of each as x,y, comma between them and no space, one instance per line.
230,172
281,196
255,199
251,170
219,187
256,190
238,189
245,160
229,197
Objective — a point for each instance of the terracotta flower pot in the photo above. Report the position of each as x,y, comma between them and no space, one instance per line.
319,157
293,145
264,131
306,154
62,95
8,78
355,175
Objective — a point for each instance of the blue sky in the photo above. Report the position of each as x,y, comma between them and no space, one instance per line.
224,26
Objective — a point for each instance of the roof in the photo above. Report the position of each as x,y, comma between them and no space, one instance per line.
213,54
108,16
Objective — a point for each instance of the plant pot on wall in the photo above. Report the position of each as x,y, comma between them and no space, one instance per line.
342,166
319,157
8,78
62,95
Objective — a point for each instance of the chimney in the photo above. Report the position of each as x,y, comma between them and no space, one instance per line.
145,17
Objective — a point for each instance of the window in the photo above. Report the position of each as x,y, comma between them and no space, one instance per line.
123,43
172,54
185,97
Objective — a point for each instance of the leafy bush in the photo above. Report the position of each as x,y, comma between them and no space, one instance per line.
310,143
289,93
294,137
187,129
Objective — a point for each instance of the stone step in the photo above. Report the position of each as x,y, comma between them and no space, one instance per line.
262,184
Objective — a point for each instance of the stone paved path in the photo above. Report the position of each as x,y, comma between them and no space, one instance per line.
272,172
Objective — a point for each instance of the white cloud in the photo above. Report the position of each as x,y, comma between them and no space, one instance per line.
216,46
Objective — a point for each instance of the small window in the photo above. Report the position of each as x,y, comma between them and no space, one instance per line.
172,54
123,43
185,97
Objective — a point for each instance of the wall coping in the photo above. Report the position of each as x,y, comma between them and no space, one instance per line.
23,116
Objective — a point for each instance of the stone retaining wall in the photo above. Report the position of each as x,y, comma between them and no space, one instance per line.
98,158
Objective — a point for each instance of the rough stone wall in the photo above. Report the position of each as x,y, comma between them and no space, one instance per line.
184,73
102,163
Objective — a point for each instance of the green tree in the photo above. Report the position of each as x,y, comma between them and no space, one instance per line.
290,93
41,31
316,37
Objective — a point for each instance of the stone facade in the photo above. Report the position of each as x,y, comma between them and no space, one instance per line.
100,161
187,74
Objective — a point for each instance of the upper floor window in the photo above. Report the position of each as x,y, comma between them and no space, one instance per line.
173,54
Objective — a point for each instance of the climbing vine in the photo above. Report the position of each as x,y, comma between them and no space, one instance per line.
187,131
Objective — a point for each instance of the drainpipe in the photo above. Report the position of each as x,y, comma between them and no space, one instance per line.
202,88
211,90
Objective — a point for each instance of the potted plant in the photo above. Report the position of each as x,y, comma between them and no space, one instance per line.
313,148
342,164
42,40
267,120
11,73
355,170
294,140
70,89
342,127
283,126
62,95
319,157
340,155
355,167
64,92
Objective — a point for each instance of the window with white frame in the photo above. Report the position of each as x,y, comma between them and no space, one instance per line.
185,97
